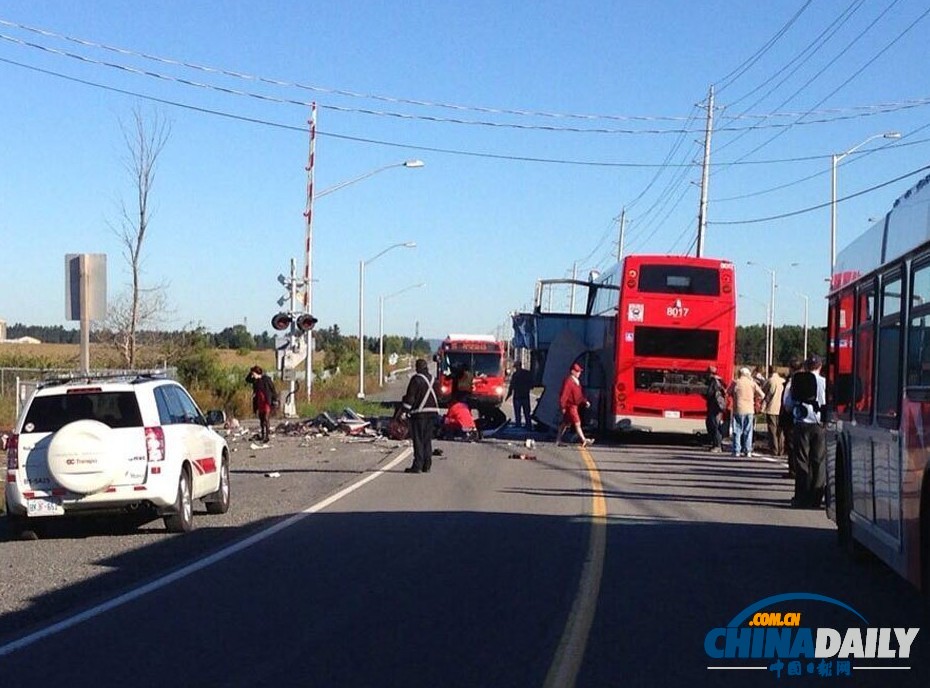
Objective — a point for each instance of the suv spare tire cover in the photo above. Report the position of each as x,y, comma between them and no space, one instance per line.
81,457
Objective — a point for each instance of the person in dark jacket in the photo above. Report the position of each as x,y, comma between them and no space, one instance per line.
715,396
463,383
264,397
421,405
521,382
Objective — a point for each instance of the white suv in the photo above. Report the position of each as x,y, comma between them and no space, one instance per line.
93,445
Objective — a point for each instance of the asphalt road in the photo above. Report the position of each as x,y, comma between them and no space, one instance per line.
606,568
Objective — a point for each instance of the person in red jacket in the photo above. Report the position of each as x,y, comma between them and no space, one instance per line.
570,399
459,422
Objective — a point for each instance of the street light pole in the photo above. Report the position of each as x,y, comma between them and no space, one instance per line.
361,312
381,300
770,331
837,157
308,241
806,299
342,185
805,327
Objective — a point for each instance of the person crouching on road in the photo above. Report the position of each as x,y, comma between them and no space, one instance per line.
459,423
571,398
421,405
744,391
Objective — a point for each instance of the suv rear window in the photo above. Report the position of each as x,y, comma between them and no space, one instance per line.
51,413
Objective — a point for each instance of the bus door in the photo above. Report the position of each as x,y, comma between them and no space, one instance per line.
875,438
888,450
915,428
861,431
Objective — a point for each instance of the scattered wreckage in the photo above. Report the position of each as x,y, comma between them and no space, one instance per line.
353,426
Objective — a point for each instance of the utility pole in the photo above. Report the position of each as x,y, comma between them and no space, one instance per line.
308,258
705,174
622,231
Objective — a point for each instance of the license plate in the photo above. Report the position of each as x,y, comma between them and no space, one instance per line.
673,414
44,506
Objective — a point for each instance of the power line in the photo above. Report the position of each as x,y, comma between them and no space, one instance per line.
821,205
858,155
377,142
785,73
828,117
730,78
332,91
851,77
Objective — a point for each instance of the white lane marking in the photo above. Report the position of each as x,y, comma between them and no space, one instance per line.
566,663
186,571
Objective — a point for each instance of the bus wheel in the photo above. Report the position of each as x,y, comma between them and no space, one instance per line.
843,499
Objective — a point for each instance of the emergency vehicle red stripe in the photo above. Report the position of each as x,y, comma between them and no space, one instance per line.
207,465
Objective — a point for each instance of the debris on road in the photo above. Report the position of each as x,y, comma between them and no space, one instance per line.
523,457
349,427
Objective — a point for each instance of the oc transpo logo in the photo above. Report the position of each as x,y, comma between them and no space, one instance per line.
774,635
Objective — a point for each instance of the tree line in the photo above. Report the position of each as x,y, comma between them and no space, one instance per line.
339,348
789,343
236,337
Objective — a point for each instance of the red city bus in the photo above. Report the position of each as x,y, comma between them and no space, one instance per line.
483,356
651,327
676,316
878,392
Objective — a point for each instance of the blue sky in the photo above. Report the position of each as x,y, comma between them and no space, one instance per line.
506,196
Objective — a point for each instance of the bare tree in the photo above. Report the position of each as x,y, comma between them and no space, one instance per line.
145,138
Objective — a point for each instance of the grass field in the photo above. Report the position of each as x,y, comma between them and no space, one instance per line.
227,390
69,356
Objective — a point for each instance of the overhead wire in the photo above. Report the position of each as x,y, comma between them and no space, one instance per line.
741,69
344,137
394,144
727,81
332,91
662,167
741,159
828,117
857,155
671,186
820,206
787,71
851,77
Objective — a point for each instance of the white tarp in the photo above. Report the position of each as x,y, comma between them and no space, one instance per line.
565,349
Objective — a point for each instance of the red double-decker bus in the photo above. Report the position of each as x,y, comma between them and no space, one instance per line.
676,316
651,327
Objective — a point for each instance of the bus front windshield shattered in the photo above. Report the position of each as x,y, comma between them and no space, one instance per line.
479,364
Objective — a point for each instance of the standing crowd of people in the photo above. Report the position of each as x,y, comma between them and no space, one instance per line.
793,414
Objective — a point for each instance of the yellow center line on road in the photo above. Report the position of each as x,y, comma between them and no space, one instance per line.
563,672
